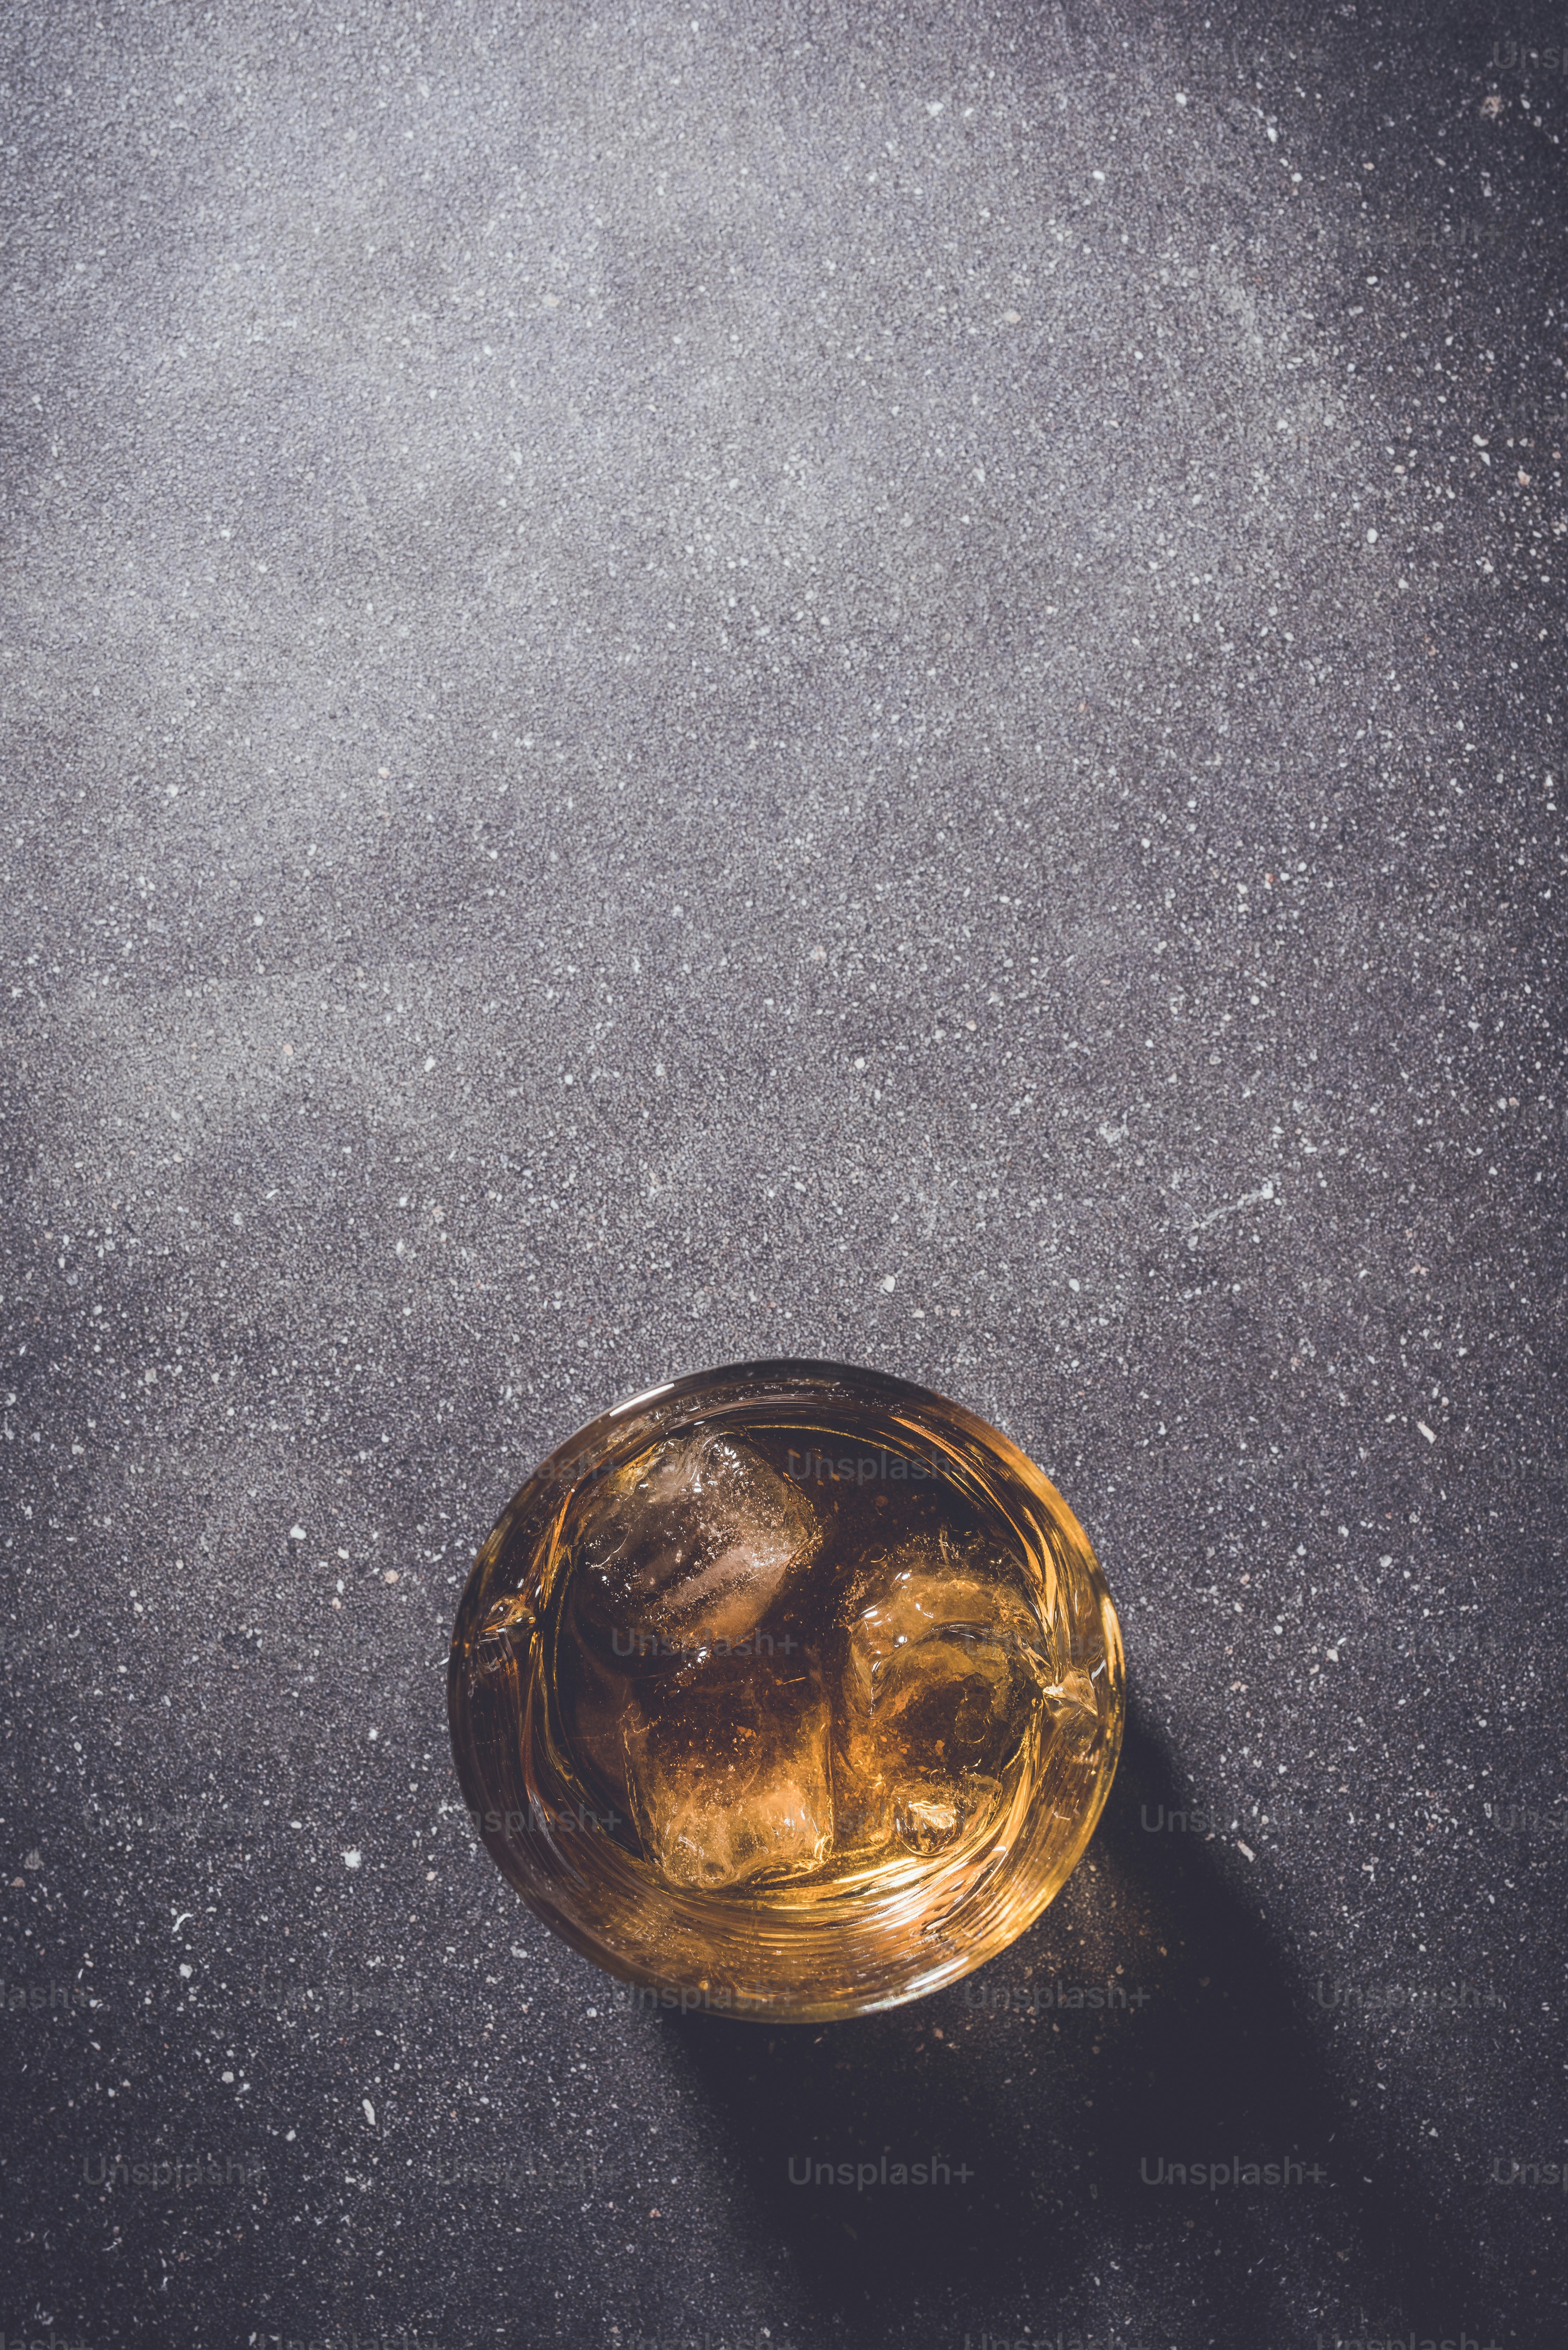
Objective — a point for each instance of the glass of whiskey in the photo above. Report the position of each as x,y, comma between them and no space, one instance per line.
787,1690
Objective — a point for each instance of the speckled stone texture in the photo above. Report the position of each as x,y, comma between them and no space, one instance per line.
879,682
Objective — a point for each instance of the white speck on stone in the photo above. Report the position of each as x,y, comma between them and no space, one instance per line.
1072,1284
1248,1200
370,2111
297,1533
890,1281
375,1733
1246,1848
1426,1432
353,1856
1372,539
185,1971
430,1062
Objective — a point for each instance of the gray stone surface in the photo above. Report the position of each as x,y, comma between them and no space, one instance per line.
876,683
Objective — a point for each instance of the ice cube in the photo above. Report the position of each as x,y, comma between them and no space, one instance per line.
947,1668
932,1584
687,1547
676,1559
727,1773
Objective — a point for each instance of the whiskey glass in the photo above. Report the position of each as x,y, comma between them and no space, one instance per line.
787,1690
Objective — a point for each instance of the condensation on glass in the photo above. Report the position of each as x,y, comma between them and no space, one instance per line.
787,1690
